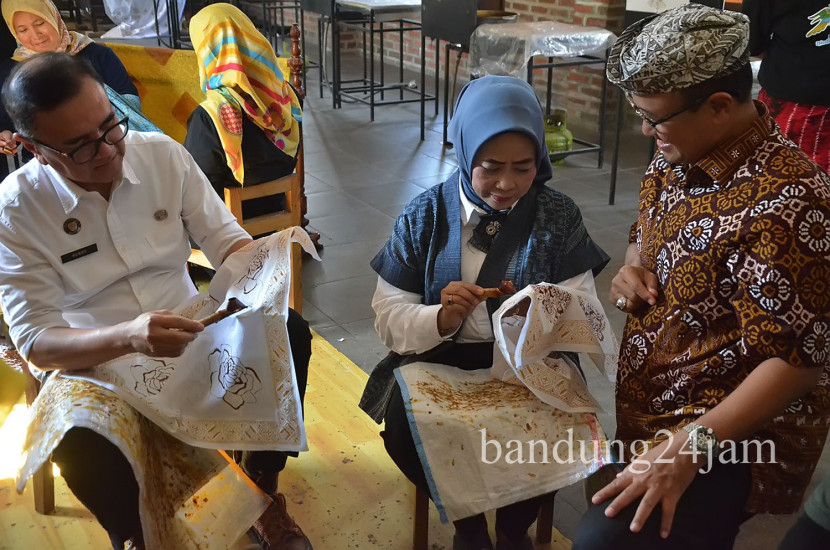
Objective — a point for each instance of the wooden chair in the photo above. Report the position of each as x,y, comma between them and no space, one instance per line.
292,185
420,526
276,221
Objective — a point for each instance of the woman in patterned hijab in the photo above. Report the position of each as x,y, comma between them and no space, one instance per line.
38,27
250,119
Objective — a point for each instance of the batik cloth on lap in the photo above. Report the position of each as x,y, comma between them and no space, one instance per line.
532,394
234,387
485,443
557,319
185,491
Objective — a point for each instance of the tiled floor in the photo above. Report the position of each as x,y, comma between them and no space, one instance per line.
359,174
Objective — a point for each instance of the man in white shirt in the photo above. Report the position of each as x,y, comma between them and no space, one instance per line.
94,240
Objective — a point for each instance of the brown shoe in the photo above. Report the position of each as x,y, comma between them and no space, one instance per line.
276,530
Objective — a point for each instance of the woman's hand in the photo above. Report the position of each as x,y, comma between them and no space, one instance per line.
632,287
458,300
8,143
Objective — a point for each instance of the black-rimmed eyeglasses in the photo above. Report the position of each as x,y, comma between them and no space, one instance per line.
88,151
655,123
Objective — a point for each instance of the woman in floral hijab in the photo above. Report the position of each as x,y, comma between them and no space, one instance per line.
38,27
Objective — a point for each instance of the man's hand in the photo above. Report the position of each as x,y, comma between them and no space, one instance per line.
637,285
660,476
162,333
458,300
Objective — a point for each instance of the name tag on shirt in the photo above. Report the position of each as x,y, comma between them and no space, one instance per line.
80,253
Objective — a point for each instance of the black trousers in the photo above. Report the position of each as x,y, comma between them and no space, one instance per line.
101,478
708,515
512,521
806,534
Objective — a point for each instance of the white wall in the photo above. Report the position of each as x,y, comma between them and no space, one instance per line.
653,6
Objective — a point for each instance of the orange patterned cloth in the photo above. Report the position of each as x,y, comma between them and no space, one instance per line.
740,243
168,83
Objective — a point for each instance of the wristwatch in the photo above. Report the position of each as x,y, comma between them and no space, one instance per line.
702,439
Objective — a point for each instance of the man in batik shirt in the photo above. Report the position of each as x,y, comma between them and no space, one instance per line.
726,285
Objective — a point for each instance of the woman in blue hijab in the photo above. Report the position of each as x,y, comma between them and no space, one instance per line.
494,219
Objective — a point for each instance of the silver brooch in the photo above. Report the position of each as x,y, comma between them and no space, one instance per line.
492,228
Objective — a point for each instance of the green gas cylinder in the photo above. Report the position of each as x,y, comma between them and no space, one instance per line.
557,136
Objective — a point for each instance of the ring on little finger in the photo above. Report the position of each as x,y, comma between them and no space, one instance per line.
449,300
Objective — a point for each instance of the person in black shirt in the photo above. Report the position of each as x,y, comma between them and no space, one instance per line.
794,39
247,131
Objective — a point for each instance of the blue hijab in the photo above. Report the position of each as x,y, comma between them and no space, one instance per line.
490,106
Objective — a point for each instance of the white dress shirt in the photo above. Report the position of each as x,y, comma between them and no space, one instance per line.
70,258
406,325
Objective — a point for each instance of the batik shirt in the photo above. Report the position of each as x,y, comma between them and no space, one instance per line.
740,243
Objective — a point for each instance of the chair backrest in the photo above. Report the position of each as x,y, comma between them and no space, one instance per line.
274,221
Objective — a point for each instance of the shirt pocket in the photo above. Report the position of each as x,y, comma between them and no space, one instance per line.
165,239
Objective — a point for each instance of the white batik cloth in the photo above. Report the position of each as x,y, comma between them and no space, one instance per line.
234,387
557,319
526,427
219,394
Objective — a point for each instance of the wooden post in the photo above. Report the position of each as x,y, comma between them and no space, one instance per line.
544,525
43,484
297,64
296,61
420,524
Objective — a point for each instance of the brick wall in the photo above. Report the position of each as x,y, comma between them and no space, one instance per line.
577,89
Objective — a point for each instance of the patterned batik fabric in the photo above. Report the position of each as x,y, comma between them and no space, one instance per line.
558,319
485,444
740,243
241,76
679,48
190,498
